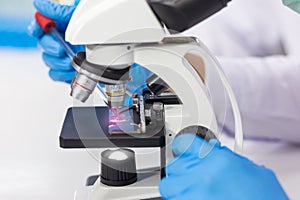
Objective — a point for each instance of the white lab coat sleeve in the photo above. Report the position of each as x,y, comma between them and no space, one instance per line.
268,93
268,88
260,54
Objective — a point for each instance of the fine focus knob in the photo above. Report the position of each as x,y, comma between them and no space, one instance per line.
118,167
200,131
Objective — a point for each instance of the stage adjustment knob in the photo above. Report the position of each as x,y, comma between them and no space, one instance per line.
118,167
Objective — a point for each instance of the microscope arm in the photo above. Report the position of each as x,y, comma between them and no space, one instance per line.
166,60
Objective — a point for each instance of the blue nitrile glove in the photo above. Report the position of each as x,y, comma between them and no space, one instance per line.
293,4
205,170
54,55
138,82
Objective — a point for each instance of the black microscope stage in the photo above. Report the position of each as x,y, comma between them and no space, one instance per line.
87,127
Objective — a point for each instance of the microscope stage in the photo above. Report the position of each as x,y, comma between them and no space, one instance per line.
87,127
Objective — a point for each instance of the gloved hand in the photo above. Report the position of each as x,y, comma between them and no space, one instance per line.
54,55
205,170
138,82
293,4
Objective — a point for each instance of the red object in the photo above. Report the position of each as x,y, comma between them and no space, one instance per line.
46,23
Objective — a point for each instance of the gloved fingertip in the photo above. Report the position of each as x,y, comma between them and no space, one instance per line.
34,29
164,187
187,144
51,46
40,4
68,81
58,63
62,76
53,75
54,10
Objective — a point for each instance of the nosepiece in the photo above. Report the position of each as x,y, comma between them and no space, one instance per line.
99,69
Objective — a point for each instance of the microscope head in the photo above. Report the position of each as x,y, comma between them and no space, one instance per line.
114,22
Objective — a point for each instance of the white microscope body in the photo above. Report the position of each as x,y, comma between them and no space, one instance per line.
119,33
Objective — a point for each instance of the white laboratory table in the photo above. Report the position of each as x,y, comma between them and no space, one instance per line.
33,167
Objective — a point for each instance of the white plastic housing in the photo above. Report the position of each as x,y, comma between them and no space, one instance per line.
167,62
113,56
145,188
114,22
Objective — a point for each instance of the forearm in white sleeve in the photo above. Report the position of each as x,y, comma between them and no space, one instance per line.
268,94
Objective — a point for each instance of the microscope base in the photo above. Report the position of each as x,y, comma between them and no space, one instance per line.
146,188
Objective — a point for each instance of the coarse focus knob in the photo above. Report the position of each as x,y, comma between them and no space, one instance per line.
118,167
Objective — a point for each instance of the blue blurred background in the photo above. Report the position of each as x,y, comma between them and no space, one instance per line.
15,16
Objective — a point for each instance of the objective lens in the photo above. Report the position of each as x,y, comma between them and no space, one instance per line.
116,95
82,87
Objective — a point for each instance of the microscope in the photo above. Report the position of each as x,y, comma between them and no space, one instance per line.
176,98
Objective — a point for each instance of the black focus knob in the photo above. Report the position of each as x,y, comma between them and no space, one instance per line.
118,167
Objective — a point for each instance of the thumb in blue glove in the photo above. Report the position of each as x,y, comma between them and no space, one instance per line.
54,54
206,170
293,4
